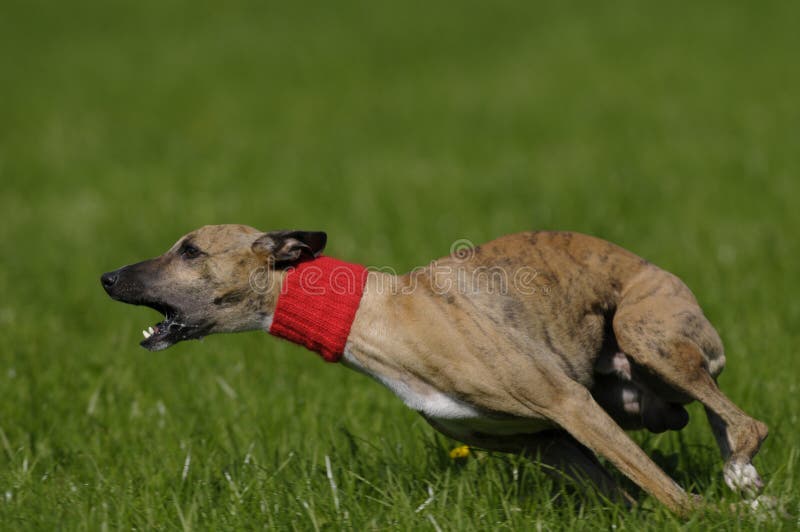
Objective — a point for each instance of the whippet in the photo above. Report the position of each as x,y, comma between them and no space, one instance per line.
545,343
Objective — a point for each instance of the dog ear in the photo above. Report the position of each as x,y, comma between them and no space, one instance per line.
290,246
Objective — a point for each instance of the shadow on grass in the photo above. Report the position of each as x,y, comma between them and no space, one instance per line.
695,467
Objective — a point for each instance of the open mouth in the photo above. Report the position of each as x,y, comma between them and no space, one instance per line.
169,331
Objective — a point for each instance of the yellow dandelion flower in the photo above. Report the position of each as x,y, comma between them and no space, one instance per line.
460,452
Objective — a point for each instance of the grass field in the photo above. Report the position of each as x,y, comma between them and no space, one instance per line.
672,129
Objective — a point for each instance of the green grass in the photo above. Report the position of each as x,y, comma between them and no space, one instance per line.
669,128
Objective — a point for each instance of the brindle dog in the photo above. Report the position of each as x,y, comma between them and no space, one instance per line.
556,343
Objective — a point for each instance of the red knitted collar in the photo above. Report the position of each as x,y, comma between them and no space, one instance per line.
318,303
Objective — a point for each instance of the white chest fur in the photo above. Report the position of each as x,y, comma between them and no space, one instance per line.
422,398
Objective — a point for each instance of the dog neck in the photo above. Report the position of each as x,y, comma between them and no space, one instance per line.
317,305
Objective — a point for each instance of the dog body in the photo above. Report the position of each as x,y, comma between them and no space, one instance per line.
545,343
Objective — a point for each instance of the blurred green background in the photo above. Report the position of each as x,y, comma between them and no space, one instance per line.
672,129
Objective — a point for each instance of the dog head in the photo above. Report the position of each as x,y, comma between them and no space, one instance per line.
219,278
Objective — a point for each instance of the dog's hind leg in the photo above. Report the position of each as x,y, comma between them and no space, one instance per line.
671,341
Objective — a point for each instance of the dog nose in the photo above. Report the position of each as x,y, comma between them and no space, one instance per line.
109,279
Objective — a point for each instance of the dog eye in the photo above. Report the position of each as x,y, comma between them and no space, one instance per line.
188,251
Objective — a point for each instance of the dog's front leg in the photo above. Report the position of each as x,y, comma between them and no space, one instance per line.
572,407
584,419
534,386
564,454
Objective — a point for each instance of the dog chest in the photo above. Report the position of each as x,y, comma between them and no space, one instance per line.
460,419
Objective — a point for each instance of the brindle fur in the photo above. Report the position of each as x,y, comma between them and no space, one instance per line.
591,325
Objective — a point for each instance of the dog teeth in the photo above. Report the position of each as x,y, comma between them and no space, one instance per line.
150,330
146,333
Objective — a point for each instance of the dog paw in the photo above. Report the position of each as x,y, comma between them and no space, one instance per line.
743,477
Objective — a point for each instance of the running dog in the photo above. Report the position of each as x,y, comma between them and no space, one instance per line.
550,344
